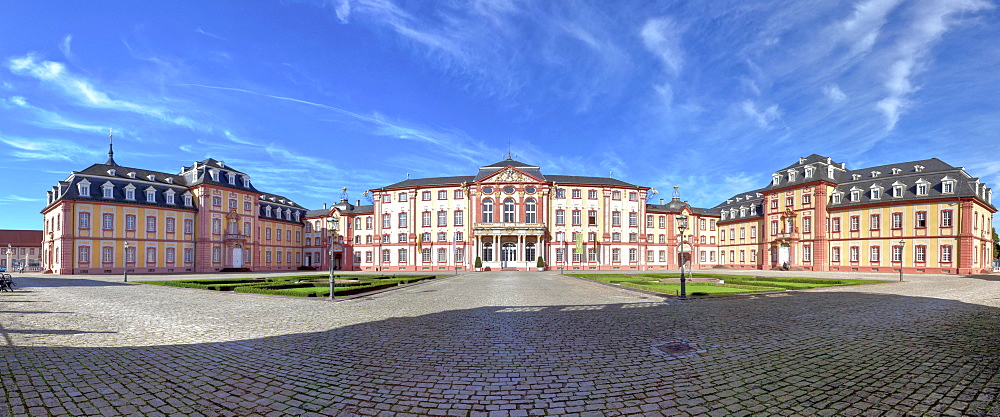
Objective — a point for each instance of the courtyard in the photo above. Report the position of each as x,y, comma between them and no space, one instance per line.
502,344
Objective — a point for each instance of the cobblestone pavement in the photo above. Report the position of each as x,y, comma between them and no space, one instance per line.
501,344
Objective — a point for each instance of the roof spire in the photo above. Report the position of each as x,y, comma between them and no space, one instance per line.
676,195
111,147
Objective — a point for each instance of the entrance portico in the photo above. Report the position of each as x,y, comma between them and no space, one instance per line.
509,245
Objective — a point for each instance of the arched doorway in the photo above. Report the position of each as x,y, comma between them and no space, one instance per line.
508,253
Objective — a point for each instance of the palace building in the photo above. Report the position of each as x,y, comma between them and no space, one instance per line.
924,216
208,218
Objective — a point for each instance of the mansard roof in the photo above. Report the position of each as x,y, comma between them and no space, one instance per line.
753,198
427,182
101,170
490,169
576,179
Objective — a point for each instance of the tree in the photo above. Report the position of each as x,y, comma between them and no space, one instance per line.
996,244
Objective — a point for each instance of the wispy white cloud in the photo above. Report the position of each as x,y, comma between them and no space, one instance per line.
66,47
48,119
209,34
662,36
81,89
48,149
764,117
911,51
834,93
14,198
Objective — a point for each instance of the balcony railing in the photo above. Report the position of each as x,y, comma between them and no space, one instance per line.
788,236
236,236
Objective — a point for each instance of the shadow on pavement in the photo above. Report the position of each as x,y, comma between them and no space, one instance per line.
799,354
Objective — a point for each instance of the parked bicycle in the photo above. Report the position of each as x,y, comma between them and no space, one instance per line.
6,283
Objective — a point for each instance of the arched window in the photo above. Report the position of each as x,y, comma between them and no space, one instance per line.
530,208
487,252
488,210
508,211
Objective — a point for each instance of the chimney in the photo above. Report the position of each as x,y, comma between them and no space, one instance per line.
324,206
358,203
661,201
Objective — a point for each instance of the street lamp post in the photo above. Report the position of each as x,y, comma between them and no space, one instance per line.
334,224
9,248
682,226
125,262
902,255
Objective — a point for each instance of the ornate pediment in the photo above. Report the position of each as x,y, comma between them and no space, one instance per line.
510,174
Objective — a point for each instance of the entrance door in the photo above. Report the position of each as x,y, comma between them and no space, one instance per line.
237,257
508,253
783,255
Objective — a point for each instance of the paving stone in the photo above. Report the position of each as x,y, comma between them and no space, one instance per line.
505,343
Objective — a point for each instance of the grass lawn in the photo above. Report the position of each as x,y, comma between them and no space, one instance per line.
733,284
294,287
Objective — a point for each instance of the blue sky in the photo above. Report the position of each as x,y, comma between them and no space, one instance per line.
311,96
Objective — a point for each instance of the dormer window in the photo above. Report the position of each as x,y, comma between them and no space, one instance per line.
875,174
922,186
108,189
131,175
723,215
187,199
876,192
83,188
170,180
214,174
246,181
732,212
809,171
222,164
897,189
837,197
829,172
855,177
267,211
151,177
279,213
150,195
855,194
791,175
297,217
170,196
753,210
775,179
111,172
130,192
896,171
232,179
288,214
948,185
918,168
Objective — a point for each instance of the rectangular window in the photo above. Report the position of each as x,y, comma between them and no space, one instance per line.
897,254
386,221
807,253
855,223
560,258
188,226
425,196
835,225
402,219
459,255
576,218
402,238
171,225
774,229
592,194
946,253
807,199
616,218
855,253
592,217
425,255
385,256
835,254
150,224
577,194
633,219
402,196
107,254
84,254
920,254
897,220
921,220
560,217
129,222
875,252
663,223
459,194
946,218
807,225
633,255
84,220
459,220
876,221
188,255
616,255
150,255
442,218
425,219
